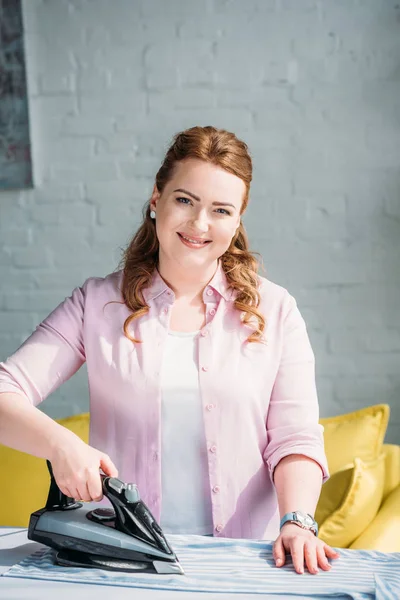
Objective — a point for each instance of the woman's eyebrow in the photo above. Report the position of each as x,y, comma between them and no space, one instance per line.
188,193
198,199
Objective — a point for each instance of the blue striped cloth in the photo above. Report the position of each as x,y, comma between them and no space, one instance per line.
238,566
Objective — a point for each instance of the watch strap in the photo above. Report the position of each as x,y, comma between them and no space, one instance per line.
290,516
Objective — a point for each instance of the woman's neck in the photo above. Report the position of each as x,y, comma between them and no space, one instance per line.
184,284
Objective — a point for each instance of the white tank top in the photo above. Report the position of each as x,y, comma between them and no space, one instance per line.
186,501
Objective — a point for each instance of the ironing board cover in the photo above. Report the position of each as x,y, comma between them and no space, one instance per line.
238,566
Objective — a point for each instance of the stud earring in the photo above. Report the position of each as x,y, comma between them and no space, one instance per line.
152,214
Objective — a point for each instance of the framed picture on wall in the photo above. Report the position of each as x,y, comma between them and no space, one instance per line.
15,148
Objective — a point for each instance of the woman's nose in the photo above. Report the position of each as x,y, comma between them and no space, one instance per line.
200,221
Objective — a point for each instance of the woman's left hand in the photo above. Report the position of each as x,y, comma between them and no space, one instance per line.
304,547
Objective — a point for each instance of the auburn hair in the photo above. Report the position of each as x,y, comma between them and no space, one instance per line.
218,147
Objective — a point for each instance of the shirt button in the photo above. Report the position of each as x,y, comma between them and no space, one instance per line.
212,312
209,407
203,333
213,449
209,292
216,489
204,368
219,527
165,310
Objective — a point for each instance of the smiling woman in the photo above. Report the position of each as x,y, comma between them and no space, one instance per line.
201,374
197,220
201,191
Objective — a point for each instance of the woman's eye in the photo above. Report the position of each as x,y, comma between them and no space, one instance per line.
183,200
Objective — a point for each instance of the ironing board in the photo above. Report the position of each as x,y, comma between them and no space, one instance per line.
377,575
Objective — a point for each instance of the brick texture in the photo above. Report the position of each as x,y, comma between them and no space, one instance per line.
311,85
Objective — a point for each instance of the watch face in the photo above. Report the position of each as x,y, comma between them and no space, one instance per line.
304,519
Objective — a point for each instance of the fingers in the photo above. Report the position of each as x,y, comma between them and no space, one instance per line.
76,469
108,466
84,493
305,549
310,556
95,487
322,559
90,488
66,492
313,553
331,552
70,492
278,552
87,487
297,552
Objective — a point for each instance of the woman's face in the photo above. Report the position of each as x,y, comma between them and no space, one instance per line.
197,213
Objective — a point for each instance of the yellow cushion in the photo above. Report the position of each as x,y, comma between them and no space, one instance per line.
333,493
358,434
349,501
383,534
392,468
28,478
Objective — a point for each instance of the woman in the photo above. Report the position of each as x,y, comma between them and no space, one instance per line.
201,374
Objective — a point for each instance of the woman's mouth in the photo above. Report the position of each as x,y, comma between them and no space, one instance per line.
191,242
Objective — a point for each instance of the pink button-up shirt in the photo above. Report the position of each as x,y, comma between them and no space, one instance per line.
259,400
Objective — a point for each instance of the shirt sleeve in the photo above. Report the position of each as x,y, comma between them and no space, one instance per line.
51,354
292,419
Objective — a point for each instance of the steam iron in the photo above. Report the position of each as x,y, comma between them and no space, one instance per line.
123,538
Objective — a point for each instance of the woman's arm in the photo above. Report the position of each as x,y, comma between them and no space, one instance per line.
292,425
48,358
295,451
50,355
75,464
27,429
298,481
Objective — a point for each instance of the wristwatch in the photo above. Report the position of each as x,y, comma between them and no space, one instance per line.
303,520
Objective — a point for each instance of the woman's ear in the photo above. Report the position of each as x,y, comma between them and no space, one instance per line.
154,198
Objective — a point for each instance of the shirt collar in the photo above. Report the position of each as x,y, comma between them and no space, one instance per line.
156,287
219,283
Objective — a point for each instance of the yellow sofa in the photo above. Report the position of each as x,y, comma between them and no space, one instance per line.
359,506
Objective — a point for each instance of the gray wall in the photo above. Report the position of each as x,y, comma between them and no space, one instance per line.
312,86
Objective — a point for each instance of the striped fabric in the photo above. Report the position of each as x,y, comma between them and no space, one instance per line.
239,566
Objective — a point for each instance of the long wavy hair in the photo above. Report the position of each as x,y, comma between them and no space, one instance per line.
140,259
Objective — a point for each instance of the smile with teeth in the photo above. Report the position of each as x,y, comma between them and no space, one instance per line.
191,241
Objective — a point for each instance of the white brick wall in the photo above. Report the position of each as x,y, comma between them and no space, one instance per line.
311,85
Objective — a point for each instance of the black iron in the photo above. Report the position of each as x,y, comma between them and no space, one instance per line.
124,538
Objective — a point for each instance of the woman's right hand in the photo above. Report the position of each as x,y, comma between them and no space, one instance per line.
76,467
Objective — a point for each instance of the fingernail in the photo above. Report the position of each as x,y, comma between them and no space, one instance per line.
278,562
